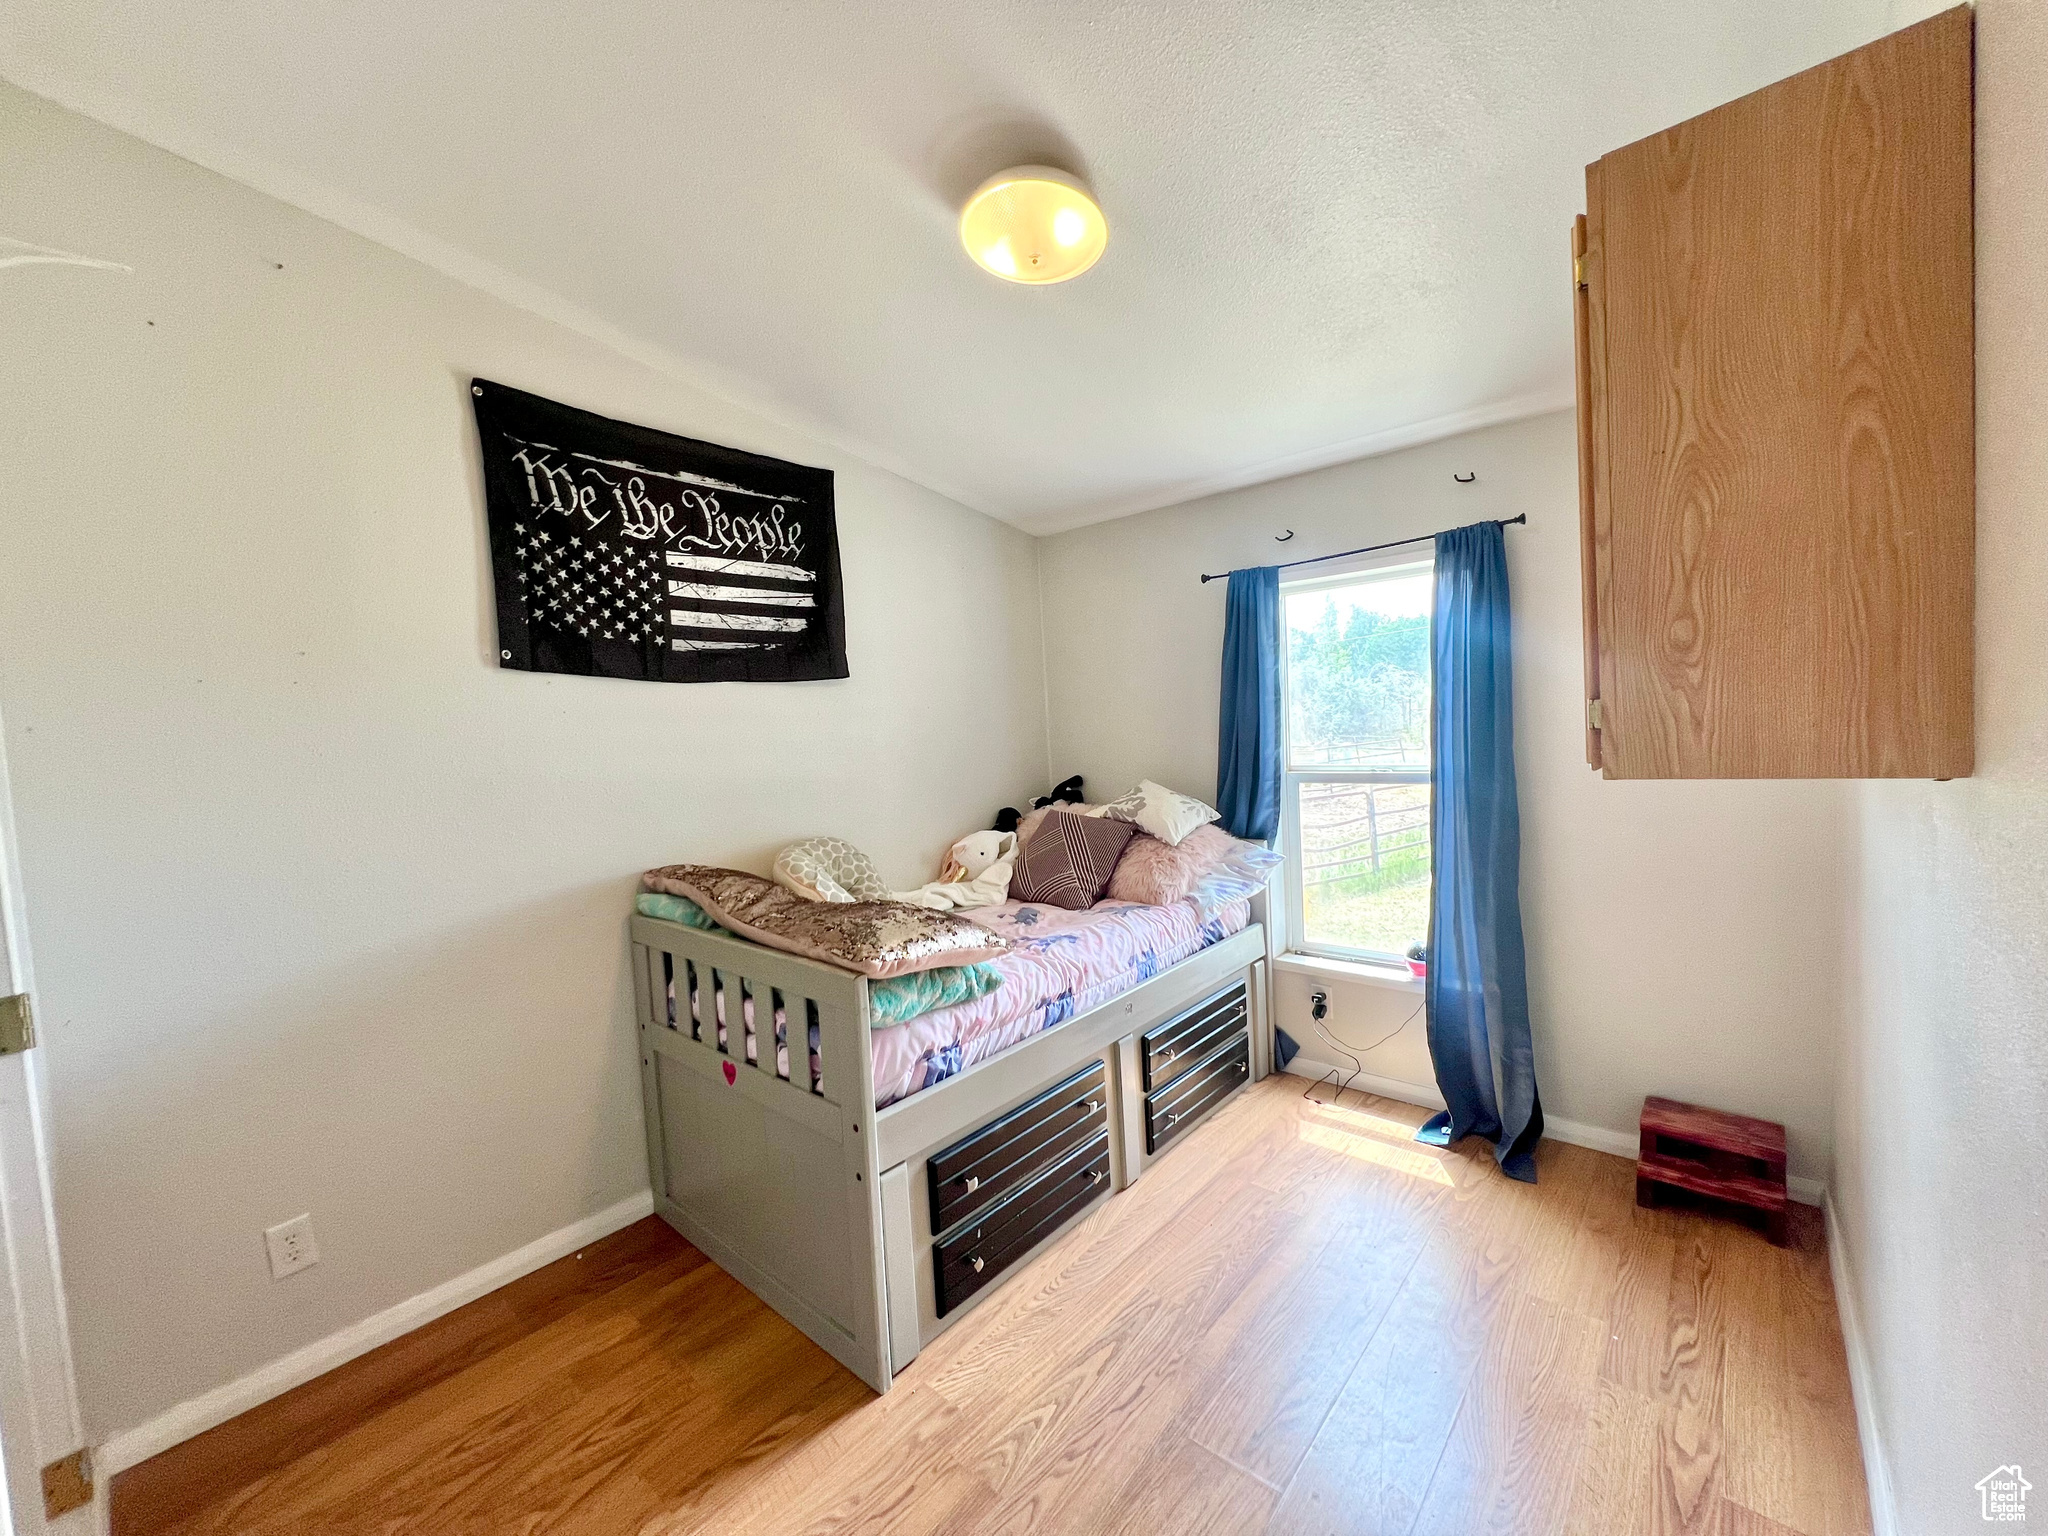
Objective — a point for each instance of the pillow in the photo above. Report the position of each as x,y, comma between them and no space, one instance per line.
1029,822
895,1000
1156,809
1242,872
829,869
1160,874
874,938
1069,860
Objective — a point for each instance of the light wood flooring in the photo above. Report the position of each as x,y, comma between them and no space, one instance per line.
1299,1321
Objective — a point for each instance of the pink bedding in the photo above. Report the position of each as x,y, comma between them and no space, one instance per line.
1059,964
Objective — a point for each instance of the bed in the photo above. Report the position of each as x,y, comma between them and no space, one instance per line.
872,1185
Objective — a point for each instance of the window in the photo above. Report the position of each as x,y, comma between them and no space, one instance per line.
1356,651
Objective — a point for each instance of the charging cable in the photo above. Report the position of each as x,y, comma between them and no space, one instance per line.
1318,1013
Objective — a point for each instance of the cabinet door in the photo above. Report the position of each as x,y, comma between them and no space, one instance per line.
1780,518
1591,459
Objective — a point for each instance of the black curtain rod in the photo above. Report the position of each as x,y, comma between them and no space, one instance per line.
1371,549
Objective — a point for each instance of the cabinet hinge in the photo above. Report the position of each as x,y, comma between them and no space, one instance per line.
1593,713
67,1484
17,1024
1579,270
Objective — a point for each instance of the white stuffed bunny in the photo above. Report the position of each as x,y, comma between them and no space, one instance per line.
977,874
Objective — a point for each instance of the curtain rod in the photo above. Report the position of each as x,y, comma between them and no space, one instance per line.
1371,549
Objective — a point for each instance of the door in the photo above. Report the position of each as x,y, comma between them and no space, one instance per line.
1777,437
39,1419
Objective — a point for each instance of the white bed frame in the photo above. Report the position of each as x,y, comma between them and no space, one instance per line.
815,1200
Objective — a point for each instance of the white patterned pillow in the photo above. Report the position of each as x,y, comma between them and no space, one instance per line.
829,869
1160,811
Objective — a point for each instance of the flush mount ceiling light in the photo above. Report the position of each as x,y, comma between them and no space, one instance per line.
1033,224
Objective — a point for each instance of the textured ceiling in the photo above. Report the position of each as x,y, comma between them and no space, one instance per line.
1334,227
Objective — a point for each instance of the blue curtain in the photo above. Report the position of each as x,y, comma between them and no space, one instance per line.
1477,991
1248,743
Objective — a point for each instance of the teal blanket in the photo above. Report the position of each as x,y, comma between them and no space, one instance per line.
897,1000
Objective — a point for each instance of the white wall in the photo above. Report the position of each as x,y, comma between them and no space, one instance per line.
1943,1109
1684,938
327,909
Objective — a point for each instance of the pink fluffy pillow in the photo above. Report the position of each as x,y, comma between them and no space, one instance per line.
1159,873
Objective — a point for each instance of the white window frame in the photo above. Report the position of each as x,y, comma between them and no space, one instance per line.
1388,563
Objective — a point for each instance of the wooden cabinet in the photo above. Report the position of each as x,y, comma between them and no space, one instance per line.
1776,434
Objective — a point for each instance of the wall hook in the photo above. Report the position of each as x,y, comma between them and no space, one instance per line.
1467,478
1282,538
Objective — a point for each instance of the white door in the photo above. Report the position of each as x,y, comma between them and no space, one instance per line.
39,1419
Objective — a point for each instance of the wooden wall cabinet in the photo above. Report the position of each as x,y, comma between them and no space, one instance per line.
1776,428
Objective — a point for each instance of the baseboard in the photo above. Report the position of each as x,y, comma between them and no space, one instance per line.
131,1447
1397,1089
1597,1137
1877,1471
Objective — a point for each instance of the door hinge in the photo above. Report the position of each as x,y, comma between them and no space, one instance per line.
67,1484
17,1024
1579,271
1593,713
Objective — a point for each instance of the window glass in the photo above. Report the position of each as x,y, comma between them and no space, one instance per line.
1358,673
1358,761
1365,866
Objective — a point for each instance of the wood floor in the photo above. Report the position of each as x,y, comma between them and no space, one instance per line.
1299,1322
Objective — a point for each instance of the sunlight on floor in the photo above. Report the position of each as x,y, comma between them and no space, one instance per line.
1408,1160
1360,1120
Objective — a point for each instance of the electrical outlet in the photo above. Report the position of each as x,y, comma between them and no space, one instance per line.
292,1246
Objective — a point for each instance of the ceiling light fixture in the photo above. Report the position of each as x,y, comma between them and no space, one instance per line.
1033,224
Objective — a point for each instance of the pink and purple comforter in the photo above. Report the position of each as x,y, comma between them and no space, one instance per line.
1059,964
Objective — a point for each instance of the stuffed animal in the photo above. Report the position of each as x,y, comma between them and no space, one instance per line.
977,874
1066,792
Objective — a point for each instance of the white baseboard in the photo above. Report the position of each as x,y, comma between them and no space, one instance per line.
133,1446
1597,1137
1398,1089
1877,1471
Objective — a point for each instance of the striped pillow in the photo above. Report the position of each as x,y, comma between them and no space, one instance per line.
1069,860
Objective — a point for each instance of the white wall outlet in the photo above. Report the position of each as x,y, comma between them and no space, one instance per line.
292,1246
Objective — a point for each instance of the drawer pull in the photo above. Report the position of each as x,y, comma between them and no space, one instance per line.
1170,1119
1093,1105
1095,1175
976,1263
973,1182
1167,1055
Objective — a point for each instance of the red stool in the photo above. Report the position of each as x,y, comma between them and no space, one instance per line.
1708,1152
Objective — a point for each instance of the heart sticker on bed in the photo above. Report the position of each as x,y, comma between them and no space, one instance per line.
732,1074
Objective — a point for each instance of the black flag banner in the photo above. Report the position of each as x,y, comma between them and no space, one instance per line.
619,551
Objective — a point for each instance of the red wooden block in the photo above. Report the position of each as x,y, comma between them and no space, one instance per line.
1708,1152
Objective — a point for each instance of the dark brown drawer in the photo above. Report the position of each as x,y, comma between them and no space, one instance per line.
980,1169
973,1257
1171,1048
1196,1091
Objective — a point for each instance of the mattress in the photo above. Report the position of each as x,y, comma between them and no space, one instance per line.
1059,964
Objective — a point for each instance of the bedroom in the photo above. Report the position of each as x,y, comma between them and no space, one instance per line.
327,911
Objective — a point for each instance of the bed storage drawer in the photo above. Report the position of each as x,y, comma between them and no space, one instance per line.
1175,1046
1172,1109
980,1169
983,1248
